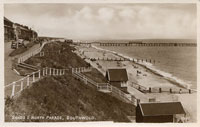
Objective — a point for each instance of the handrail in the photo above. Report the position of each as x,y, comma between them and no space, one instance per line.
33,77
106,86
33,53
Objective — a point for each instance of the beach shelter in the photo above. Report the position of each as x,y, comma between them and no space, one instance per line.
159,112
117,77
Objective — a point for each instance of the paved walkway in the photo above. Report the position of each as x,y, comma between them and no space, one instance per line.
11,75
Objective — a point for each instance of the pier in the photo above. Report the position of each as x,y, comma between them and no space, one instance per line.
150,44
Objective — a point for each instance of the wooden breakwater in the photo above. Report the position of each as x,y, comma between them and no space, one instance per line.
177,90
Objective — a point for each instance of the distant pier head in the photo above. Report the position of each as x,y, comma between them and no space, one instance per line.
148,44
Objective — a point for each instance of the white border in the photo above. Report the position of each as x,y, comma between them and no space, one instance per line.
91,124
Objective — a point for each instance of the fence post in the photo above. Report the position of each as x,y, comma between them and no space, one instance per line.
39,74
57,71
170,90
160,90
22,84
46,70
63,71
149,89
28,80
33,76
180,91
43,71
49,71
60,72
13,89
53,71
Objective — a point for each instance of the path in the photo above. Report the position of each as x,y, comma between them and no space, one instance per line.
11,75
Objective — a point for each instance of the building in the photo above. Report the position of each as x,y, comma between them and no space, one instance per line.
160,112
8,30
118,77
34,35
22,32
15,31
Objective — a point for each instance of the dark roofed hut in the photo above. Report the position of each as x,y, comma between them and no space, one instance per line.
118,77
159,112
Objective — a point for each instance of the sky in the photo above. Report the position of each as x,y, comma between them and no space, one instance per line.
107,21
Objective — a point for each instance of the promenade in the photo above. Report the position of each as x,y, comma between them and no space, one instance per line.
11,75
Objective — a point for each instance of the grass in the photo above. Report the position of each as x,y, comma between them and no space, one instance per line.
96,76
22,49
65,59
64,95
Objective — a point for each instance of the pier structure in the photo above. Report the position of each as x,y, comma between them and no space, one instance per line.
149,44
85,44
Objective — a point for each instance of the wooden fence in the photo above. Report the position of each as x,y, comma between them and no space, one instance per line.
81,69
139,87
107,88
27,56
16,87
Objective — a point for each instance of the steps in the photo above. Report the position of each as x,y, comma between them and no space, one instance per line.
27,66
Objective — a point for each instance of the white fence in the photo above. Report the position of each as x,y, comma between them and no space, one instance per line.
27,56
106,87
81,69
14,88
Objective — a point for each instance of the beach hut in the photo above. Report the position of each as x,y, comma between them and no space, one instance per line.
160,112
117,77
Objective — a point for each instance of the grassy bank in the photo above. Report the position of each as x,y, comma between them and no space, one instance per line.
64,96
57,55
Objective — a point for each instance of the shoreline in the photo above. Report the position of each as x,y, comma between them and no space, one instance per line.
188,101
170,79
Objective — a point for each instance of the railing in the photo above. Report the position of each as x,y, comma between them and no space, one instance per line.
106,87
14,88
81,69
139,87
27,56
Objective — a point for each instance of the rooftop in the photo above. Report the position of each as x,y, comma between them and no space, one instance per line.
166,108
118,74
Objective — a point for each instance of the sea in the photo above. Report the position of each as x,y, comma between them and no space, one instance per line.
178,64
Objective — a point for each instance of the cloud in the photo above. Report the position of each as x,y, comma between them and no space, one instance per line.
105,15
112,21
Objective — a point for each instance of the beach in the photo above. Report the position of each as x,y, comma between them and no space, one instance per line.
141,76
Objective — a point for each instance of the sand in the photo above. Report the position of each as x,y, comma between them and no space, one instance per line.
146,78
